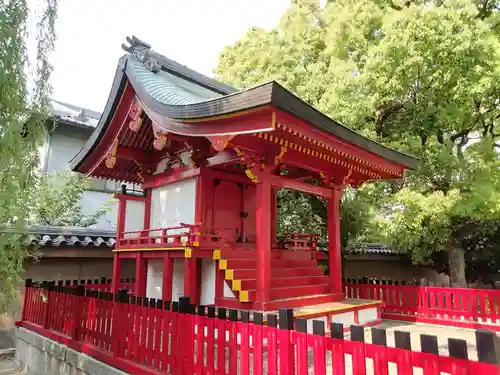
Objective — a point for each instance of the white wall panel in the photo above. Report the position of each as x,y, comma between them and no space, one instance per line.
173,204
228,293
208,272
345,318
367,315
154,278
134,217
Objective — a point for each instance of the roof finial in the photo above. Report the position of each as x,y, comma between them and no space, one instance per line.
142,51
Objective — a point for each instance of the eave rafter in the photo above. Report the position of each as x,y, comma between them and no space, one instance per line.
295,134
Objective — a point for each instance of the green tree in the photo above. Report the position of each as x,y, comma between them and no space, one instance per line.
420,76
24,106
57,201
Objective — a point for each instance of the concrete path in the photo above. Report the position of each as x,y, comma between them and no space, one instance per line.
8,364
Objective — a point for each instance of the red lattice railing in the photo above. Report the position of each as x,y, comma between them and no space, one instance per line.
147,336
181,235
459,307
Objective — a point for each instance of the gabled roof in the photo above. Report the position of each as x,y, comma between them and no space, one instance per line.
174,96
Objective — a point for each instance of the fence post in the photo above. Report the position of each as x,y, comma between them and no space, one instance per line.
49,287
287,360
78,292
117,333
488,347
28,284
183,338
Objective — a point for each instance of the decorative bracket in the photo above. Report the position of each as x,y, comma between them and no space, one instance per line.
279,158
347,179
255,165
111,155
161,139
135,117
219,143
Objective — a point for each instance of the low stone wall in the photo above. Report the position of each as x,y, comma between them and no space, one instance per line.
39,355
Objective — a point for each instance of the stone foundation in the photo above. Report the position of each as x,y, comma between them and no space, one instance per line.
39,355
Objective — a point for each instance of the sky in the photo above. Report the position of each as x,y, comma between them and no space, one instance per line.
192,32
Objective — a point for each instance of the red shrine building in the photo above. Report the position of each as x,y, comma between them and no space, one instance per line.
210,160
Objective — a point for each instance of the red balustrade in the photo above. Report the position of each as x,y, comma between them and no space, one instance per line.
299,241
147,336
468,308
181,235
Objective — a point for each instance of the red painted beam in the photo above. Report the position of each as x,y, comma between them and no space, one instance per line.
166,178
222,158
305,128
293,157
283,182
131,154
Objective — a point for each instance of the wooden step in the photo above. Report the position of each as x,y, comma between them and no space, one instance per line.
285,293
234,264
242,274
249,284
275,254
299,291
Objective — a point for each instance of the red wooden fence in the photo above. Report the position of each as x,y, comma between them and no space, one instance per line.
146,336
103,284
468,308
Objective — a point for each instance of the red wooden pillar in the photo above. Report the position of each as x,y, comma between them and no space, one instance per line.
120,228
273,211
117,271
122,212
147,209
334,255
263,231
140,275
168,277
190,278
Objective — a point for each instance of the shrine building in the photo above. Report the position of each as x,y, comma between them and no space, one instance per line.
210,159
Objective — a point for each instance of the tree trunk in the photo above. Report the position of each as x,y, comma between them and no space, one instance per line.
456,261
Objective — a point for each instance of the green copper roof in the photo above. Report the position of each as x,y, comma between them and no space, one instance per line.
167,88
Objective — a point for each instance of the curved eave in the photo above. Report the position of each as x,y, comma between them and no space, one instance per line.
270,93
113,100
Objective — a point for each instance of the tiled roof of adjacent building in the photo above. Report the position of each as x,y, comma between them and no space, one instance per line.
74,115
373,249
63,237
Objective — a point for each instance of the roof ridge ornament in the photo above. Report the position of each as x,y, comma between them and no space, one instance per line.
143,52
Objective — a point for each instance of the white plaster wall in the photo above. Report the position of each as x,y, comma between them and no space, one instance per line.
93,201
228,293
345,318
173,204
208,272
154,278
367,315
63,147
134,217
178,280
